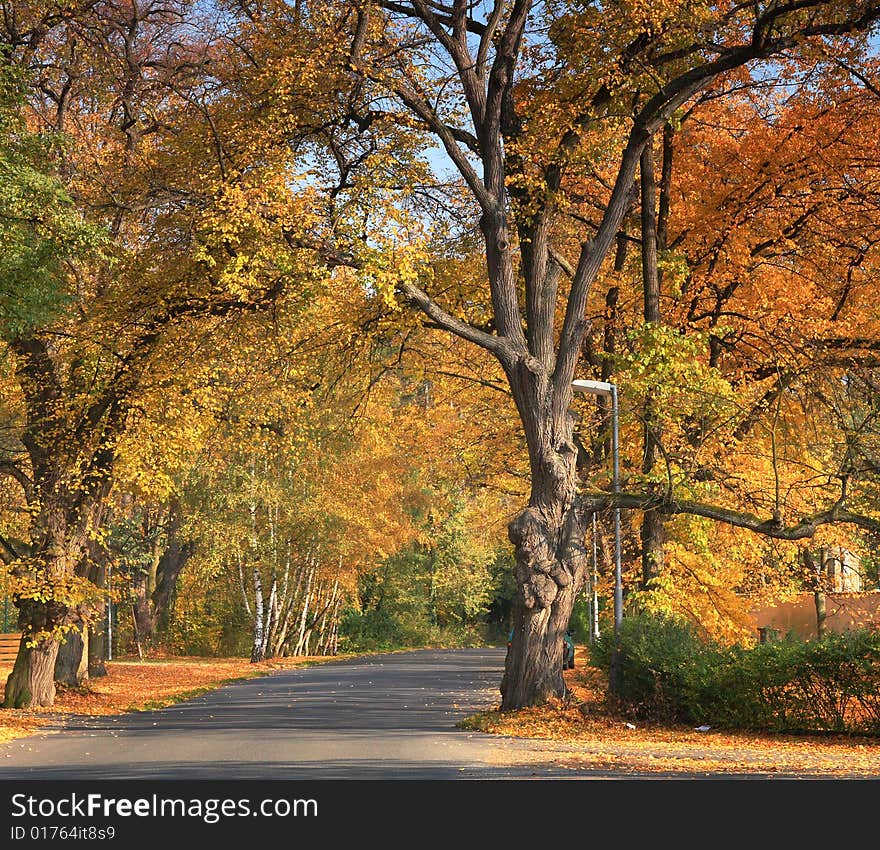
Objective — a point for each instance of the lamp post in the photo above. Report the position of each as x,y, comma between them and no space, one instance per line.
594,595
610,391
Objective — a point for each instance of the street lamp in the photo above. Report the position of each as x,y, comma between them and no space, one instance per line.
610,390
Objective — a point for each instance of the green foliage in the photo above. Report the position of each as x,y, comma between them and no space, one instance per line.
210,626
436,592
132,542
664,666
674,268
40,229
382,630
828,685
580,622
458,571
671,368
670,674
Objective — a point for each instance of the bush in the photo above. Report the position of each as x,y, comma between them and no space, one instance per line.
378,630
829,685
668,673
666,670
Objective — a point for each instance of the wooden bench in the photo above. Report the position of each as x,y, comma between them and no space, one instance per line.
9,649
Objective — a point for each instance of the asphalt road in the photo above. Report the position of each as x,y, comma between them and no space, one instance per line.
384,717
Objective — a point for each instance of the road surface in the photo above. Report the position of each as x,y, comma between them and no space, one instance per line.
383,717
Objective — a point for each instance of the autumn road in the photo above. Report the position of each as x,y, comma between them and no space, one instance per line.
384,717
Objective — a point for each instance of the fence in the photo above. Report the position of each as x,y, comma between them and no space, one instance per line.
9,648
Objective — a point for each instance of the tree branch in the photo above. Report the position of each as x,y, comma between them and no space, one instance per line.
448,322
446,135
11,469
804,528
8,555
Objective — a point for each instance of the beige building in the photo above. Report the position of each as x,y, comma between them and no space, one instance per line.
842,570
847,604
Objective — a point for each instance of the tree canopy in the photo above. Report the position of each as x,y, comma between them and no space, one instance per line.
292,297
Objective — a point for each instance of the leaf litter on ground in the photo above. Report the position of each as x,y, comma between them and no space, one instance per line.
134,685
586,733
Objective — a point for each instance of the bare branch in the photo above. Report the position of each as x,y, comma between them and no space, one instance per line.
560,261
804,529
430,308
446,135
14,471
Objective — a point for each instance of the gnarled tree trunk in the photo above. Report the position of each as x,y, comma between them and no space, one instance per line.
66,490
32,680
549,541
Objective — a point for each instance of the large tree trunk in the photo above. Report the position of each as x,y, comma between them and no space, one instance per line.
652,531
154,588
171,564
32,680
542,609
549,540
143,619
72,662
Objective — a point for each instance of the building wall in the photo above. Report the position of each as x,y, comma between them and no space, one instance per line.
843,569
844,611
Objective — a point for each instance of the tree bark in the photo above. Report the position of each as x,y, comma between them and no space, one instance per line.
154,588
171,565
271,619
549,539
32,681
815,564
304,616
258,649
97,648
70,482
651,532
549,572
72,661
821,612
143,621
41,621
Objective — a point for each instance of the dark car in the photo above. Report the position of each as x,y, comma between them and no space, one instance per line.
568,651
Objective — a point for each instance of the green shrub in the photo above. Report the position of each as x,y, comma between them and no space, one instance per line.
378,630
666,670
668,673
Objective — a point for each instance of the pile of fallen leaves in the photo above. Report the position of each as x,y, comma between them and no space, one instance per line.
132,685
586,733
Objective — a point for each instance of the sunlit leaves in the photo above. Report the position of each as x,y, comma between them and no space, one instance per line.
39,226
